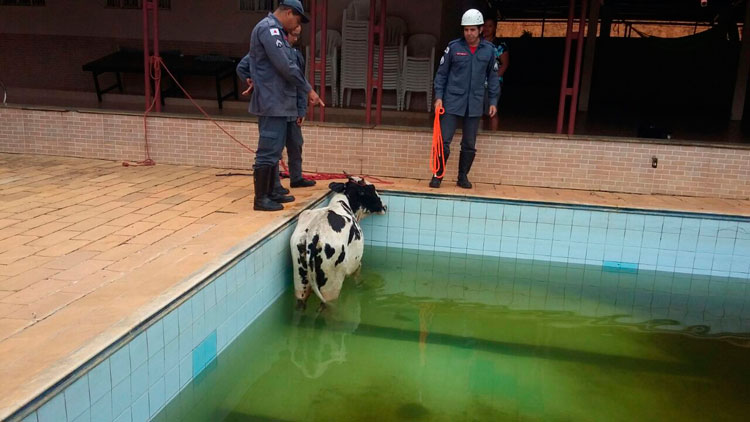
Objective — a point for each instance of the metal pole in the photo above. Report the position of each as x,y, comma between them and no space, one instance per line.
577,71
312,62
381,67
157,68
588,59
566,66
370,48
323,55
146,58
743,67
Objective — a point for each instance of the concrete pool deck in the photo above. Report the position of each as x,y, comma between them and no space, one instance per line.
89,249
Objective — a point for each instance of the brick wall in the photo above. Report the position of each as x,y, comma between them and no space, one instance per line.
511,159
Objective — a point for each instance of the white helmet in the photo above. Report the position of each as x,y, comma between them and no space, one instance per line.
472,17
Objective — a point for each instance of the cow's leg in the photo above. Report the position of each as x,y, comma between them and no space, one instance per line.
358,276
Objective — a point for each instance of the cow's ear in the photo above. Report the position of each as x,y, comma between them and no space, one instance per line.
337,187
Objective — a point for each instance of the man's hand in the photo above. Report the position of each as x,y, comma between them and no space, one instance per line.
493,111
300,120
438,104
314,98
249,87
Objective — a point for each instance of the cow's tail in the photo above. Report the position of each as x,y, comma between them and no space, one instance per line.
312,269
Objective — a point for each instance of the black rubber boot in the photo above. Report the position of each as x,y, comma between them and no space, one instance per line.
274,192
262,181
278,189
302,183
464,166
435,181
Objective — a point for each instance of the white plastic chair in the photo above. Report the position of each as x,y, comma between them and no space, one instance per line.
353,75
333,43
418,66
358,10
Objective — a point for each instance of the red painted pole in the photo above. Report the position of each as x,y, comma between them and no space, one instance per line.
566,66
146,58
370,48
323,55
157,68
313,61
577,71
381,68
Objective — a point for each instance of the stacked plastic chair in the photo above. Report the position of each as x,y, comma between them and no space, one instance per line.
395,28
354,35
417,68
333,43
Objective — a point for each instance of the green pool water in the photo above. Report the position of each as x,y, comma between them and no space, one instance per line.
444,337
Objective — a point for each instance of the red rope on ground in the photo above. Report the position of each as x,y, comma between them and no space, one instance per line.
155,73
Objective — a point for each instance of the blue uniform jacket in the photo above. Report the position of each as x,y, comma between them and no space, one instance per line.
243,71
276,75
461,75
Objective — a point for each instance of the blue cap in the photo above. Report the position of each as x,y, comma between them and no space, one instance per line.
297,6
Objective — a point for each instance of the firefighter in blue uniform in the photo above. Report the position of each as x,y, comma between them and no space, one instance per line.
276,78
294,139
459,87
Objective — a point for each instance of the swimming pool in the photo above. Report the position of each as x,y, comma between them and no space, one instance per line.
524,298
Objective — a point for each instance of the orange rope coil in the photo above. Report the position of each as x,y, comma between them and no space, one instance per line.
437,158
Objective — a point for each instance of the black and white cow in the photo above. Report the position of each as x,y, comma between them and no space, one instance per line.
327,244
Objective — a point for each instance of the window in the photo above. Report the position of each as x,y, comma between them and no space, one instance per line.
21,2
136,4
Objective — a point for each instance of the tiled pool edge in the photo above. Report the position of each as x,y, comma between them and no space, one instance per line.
708,244
81,395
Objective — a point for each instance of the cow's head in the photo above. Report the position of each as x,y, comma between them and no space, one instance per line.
362,196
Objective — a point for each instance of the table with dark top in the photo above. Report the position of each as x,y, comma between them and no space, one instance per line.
132,62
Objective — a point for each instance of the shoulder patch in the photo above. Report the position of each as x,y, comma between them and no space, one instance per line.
442,60
447,49
279,43
275,31
495,67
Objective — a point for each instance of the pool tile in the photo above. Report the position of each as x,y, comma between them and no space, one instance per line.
478,210
563,217
411,221
412,204
527,230
666,258
635,222
724,246
703,261
633,238
172,382
459,240
83,417
396,203
687,242
156,397
544,231
198,304
77,398
561,232
616,220
669,241
492,243
525,246
597,235
100,381
121,397
728,229
542,247
631,254
171,325
685,259
690,226
612,252
140,412
395,235
101,410
577,250
722,263
579,234
155,337
445,207
428,222
139,381
427,237
560,249
411,236
510,229
529,214
594,252
742,247
653,223
442,238
460,225
476,225
210,295
672,225
461,209
33,418
615,236
156,366
546,215
429,206
493,227
379,234
512,213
